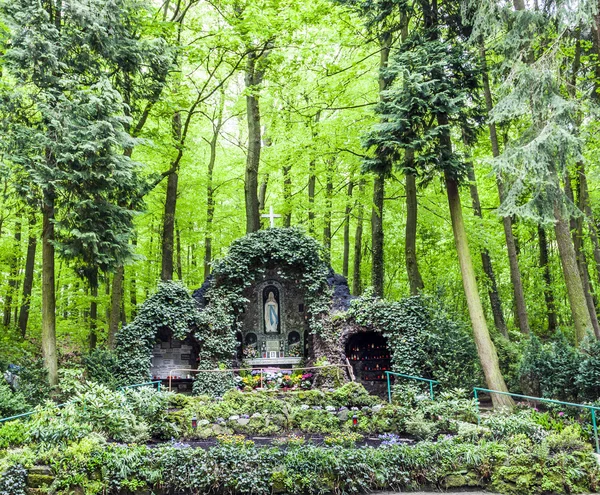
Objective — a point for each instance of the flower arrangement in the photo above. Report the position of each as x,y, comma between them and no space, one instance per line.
306,380
250,351
295,350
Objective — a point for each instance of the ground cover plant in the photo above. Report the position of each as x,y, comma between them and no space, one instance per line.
305,441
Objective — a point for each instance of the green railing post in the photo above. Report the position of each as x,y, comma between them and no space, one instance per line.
477,402
595,424
431,390
387,375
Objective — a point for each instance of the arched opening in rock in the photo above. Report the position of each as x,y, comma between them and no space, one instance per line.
370,358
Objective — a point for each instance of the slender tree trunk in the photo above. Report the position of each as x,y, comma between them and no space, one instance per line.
262,195
287,196
486,261
485,347
116,302
178,252
168,231
356,275
377,234
210,207
133,286
511,246
28,278
93,284
576,227
585,206
347,212
48,291
254,77
312,180
13,275
568,259
328,205
548,293
596,49
410,235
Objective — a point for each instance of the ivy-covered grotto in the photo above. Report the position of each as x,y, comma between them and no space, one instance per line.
273,302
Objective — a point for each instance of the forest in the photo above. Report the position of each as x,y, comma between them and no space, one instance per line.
432,146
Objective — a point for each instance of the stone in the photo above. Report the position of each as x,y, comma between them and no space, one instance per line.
455,480
221,430
45,470
343,414
39,480
243,421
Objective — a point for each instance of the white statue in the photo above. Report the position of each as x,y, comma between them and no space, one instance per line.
271,314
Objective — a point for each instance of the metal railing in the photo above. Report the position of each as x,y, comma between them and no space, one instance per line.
409,377
592,409
351,374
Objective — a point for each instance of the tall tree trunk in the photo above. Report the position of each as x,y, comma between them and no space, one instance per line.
576,226
410,235
287,196
133,286
586,208
210,207
568,259
328,205
485,347
548,293
486,261
356,275
312,180
168,231
262,195
13,275
253,79
28,278
116,302
377,240
377,234
48,291
511,246
596,49
93,284
347,212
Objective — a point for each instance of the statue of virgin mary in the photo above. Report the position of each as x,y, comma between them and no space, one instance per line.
271,314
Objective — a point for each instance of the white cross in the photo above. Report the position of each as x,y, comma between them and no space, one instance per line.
271,216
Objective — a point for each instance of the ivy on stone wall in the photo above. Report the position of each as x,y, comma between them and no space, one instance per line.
289,251
172,308
424,338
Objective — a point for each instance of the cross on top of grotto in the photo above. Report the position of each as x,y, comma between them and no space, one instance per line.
271,216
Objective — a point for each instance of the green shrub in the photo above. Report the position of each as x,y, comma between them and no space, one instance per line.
562,367
102,366
566,441
12,434
533,367
504,426
420,427
346,439
588,378
11,403
33,382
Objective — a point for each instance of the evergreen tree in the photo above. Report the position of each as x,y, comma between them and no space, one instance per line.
65,133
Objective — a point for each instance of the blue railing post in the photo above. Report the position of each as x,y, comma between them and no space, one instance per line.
477,402
409,377
595,424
